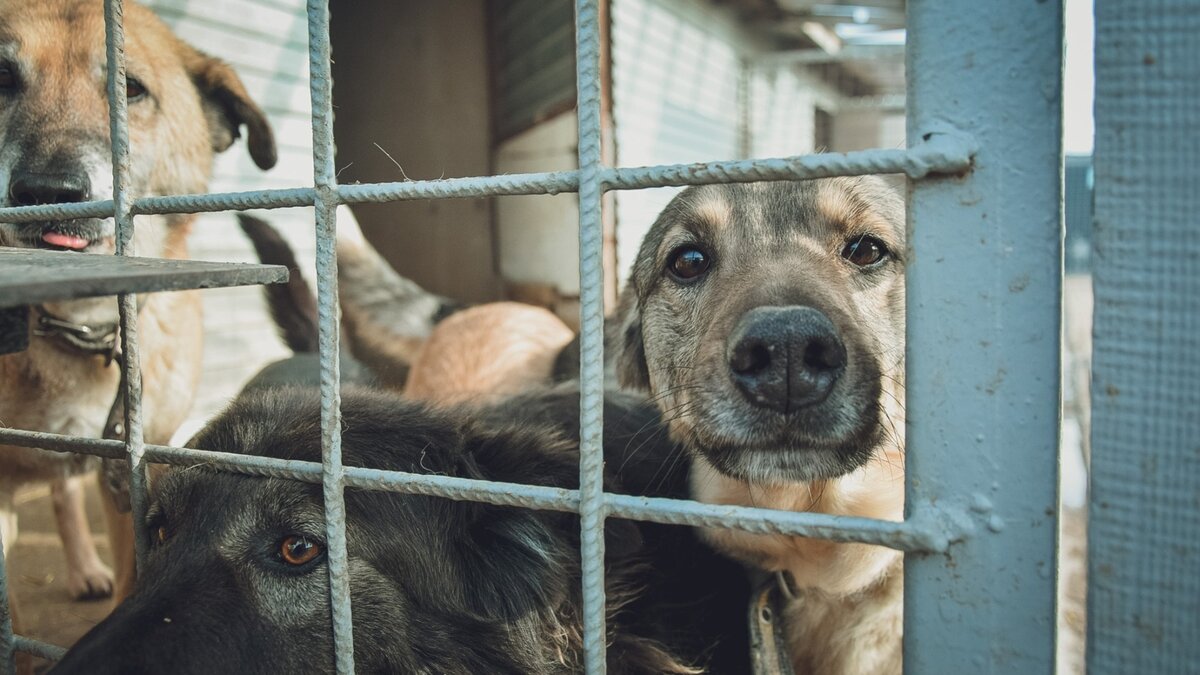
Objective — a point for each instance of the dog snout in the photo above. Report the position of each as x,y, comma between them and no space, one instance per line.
785,358
33,188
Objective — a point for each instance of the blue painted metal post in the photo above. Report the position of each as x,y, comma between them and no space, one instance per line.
984,286
1144,520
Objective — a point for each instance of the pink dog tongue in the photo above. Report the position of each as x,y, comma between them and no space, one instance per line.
65,240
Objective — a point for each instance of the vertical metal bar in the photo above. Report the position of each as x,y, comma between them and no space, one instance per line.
1144,541
592,510
118,115
333,477
984,287
7,663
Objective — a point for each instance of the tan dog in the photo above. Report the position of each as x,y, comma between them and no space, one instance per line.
184,107
487,352
767,321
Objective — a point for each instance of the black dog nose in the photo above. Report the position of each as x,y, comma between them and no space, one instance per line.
29,189
785,358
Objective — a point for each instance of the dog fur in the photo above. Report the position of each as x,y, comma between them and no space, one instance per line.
54,147
766,427
692,600
487,352
386,317
438,586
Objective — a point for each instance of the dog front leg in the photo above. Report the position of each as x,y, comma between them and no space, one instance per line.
8,533
88,578
120,537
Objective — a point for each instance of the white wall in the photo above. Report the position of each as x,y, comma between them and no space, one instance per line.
677,77
538,234
689,86
266,42
864,129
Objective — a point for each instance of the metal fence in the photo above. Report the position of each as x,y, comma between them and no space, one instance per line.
984,163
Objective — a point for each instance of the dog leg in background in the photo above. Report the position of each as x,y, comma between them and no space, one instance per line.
87,576
386,317
120,537
8,532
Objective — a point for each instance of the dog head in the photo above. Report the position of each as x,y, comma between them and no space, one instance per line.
237,579
184,107
768,320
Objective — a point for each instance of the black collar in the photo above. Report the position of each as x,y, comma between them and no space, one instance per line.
98,339
768,639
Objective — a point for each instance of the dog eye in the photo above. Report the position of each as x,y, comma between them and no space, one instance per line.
134,89
8,77
687,263
864,251
299,550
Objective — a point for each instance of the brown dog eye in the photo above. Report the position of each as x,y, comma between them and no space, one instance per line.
864,251
688,263
299,550
8,77
134,89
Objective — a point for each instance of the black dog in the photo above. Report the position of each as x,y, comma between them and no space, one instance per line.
237,581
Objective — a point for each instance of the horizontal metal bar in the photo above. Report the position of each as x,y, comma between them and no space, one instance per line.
941,154
28,214
226,201
39,649
513,184
922,532
903,536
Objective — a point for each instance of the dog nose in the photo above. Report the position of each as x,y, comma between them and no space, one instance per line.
30,189
785,358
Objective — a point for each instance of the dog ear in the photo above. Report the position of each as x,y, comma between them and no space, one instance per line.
514,559
632,371
227,107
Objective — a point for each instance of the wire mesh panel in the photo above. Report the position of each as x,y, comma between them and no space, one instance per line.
980,513
1144,524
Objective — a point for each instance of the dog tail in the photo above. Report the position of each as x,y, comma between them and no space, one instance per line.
386,317
292,305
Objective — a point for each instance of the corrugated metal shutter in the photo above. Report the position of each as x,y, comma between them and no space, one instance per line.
533,61
676,82
266,42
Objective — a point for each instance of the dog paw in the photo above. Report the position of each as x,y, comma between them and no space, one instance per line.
92,582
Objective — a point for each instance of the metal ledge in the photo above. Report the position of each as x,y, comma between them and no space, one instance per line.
30,276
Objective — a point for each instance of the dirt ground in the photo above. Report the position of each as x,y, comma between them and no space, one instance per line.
38,574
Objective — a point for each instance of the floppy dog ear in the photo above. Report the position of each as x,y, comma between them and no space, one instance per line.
227,107
514,558
632,371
